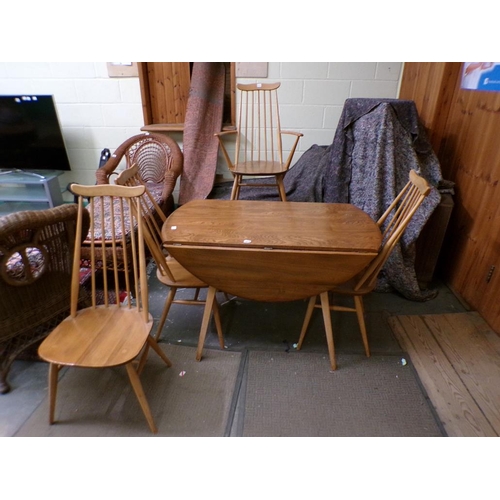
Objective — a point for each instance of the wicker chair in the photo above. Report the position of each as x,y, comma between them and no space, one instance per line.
36,256
160,163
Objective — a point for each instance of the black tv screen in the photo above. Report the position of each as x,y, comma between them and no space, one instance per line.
30,134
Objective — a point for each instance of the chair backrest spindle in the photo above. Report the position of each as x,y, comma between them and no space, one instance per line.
259,123
121,227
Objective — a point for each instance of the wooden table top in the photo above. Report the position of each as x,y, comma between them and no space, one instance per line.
272,225
269,250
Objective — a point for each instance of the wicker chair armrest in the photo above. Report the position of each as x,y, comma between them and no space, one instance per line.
34,219
103,174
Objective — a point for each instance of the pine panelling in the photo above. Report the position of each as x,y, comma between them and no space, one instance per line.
464,127
471,158
418,78
181,79
145,96
161,92
430,86
165,91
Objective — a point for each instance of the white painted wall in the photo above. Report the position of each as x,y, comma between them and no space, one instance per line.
97,111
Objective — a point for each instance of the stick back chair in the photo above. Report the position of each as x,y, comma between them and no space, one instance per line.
259,139
108,333
169,271
392,225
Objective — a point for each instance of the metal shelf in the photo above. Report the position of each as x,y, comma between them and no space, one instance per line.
29,191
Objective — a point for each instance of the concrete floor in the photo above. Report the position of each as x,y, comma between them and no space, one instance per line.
246,325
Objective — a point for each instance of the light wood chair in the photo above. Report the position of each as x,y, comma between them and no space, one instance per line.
169,271
107,334
259,139
392,224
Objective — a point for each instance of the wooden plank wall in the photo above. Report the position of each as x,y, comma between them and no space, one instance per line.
464,127
164,91
431,86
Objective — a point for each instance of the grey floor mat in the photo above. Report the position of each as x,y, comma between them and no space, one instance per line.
295,394
189,399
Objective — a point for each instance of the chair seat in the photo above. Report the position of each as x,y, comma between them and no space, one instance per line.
183,278
348,288
97,337
259,168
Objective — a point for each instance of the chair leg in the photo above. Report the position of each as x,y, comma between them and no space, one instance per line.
218,324
325,307
360,312
281,187
236,187
307,319
139,392
4,386
4,370
53,376
206,319
156,348
166,309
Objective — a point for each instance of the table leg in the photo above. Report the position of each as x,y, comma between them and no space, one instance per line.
209,304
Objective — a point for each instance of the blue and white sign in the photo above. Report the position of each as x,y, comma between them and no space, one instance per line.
481,76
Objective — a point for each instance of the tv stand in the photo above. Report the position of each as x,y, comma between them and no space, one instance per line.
16,170
22,190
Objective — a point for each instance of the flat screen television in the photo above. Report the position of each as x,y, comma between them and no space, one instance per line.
30,134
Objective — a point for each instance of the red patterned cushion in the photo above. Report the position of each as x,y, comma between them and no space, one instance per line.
154,189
